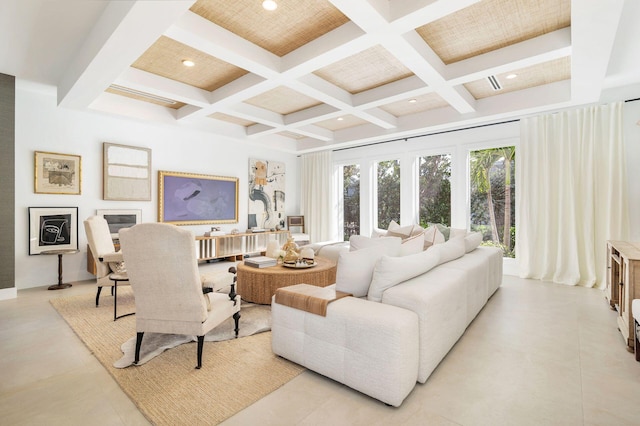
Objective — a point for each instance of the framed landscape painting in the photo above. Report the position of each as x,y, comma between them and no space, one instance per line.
52,228
195,199
57,173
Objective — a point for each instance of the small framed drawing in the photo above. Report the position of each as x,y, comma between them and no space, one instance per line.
126,173
120,219
57,173
52,228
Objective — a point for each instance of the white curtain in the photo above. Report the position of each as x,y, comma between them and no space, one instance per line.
572,194
316,195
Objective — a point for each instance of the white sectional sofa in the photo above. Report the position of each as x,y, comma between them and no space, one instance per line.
406,314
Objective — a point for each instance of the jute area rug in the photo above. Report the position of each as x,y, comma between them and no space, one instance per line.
168,390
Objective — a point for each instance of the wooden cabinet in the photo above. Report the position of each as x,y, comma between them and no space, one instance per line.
623,284
230,246
235,246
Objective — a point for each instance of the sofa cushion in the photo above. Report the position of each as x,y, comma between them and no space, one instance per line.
472,241
412,245
355,269
451,250
390,271
432,236
392,244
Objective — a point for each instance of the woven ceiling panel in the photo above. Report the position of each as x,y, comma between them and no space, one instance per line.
366,70
283,100
176,105
536,75
293,24
492,24
422,103
165,56
231,119
346,122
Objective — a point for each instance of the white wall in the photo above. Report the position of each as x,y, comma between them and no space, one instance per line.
42,126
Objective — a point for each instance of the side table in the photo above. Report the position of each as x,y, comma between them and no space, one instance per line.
258,285
60,253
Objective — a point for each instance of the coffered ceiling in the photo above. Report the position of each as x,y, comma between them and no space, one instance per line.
318,74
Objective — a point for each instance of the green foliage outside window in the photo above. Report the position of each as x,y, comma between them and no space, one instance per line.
351,200
388,192
493,196
434,186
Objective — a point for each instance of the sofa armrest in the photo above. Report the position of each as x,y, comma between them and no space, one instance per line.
367,346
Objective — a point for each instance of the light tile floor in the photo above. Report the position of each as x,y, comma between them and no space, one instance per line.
537,354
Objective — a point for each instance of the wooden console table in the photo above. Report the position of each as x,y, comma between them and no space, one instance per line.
623,284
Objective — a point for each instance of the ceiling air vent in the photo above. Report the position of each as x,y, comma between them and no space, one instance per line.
493,81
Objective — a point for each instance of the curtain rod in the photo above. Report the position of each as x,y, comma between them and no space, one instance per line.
441,132
427,134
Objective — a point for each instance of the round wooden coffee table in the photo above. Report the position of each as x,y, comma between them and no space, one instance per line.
258,285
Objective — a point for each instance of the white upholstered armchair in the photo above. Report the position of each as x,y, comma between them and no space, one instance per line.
163,273
109,262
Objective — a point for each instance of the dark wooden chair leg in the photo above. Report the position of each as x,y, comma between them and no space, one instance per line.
138,344
236,318
200,345
114,291
637,339
98,296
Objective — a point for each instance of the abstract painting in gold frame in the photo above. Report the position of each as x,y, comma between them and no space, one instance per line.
196,199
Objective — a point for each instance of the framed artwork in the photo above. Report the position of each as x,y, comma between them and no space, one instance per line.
120,219
194,199
126,173
266,194
52,228
57,173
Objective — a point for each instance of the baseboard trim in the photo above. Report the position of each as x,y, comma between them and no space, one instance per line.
8,293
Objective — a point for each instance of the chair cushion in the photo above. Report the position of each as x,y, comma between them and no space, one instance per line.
635,309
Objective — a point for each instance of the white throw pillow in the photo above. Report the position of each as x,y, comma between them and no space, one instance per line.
355,269
432,236
392,244
390,271
456,232
412,245
451,250
396,230
377,233
472,240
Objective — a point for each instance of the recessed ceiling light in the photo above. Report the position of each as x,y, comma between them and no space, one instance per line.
269,5
512,76
188,63
340,118
413,101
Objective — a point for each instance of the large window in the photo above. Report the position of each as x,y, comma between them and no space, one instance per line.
351,200
388,184
492,182
434,190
